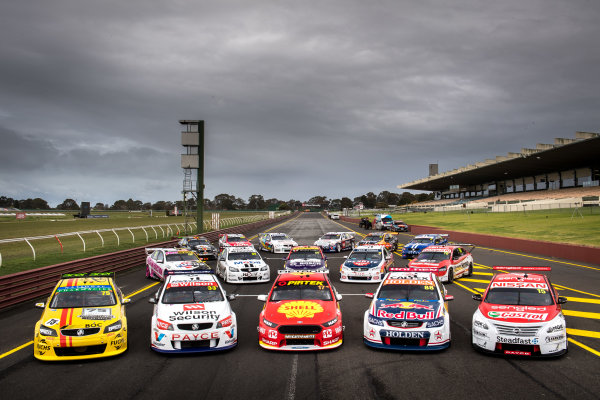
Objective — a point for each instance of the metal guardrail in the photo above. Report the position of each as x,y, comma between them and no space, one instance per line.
28,285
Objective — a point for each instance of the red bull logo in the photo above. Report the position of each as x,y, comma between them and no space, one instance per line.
410,315
408,305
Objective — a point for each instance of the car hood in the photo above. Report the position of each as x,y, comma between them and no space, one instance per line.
286,242
416,246
195,312
518,314
361,263
326,242
406,309
85,317
238,244
246,263
182,265
426,263
300,311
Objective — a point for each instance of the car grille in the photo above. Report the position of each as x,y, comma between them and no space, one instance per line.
193,344
404,324
407,342
249,269
300,342
190,327
80,332
306,329
359,269
79,350
517,330
359,278
250,278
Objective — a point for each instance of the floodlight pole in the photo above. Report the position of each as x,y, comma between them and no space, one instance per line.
200,182
192,138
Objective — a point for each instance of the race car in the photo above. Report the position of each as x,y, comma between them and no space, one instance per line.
159,260
199,245
419,242
334,216
233,240
241,265
398,226
447,262
275,242
365,223
301,313
520,314
192,314
409,311
306,258
387,239
83,318
366,264
382,221
336,241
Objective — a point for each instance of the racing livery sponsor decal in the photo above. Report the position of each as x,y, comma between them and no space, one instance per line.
96,313
193,314
84,288
517,353
193,306
405,315
162,324
522,285
408,282
518,315
300,309
301,283
554,338
159,336
190,284
195,336
404,334
408,305
360,263
52,321
517,340
118,342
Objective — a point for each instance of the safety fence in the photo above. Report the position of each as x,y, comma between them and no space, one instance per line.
28,285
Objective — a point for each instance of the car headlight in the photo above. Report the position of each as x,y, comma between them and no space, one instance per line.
224,323
234,269
269,323
442,269
264,268
115,326
330,323
374,320
44,330
435,323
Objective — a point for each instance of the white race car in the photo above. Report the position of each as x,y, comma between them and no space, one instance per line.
275,242
336,241
367,264
192,314
408,312
242,264
159,260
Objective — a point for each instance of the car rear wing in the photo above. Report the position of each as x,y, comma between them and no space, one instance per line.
312,271
413,269
202,271
519,268
89,275
469,245
151,250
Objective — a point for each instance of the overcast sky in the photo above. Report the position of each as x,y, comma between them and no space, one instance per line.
300,98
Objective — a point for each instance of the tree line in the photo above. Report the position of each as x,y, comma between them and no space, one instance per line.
226,201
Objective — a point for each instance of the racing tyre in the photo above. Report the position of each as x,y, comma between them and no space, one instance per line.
351,246
450,275
395,246
338,248
470,270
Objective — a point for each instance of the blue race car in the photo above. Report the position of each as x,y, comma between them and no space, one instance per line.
419,242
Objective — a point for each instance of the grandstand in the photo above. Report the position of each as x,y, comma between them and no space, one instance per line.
563,174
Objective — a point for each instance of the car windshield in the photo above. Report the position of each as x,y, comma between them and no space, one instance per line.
279,237
181,257
83,296
519,297
235,239
408,292
330,237
371,255
197,242
387,220
433,256
422,240
373,238
301,290
192,294
399,222
305,254
246,255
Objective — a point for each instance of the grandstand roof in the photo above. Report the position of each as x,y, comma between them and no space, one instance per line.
563,155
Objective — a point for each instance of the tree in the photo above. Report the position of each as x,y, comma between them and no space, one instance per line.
346,202
7,201
283,207
319,200
335,204
256,202
119,205
99,206
68,204
225,201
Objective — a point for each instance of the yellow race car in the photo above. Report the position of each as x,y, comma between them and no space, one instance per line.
84,318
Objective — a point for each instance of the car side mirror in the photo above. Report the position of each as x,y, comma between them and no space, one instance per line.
477,297
345,256
152,300
261,297
232,297
448,297
125,301
369,295
338,296
561,300
40,305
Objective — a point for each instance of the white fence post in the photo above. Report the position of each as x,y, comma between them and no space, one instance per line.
101,238
132,237
145,233
155,234
118,239
32,249
163,232
83,241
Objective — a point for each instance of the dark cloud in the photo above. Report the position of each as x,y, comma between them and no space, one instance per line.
306,98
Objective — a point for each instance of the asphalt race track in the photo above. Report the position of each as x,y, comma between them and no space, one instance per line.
352,371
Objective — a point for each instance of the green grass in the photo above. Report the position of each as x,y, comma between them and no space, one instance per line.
548,225
18,256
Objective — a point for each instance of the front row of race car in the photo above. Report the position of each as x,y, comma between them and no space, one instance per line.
520,314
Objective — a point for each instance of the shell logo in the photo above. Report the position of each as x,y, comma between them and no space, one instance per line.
300,309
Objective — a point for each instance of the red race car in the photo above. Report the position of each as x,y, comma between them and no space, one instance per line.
301,313
233,240
447,262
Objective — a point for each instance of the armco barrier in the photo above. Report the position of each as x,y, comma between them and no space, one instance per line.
28,285
587,254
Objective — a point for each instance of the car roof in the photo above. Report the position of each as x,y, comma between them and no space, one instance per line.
408,276
519,277
296,276
296,248
178,251
440,249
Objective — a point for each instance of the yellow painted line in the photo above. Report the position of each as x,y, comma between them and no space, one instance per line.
580,332
466,288
480,289
581,314
583,300
8,353
583,346
482,273
473,280
561,287
541,258
474,267
481,266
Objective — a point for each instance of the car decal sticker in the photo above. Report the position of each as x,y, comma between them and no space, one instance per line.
300,309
